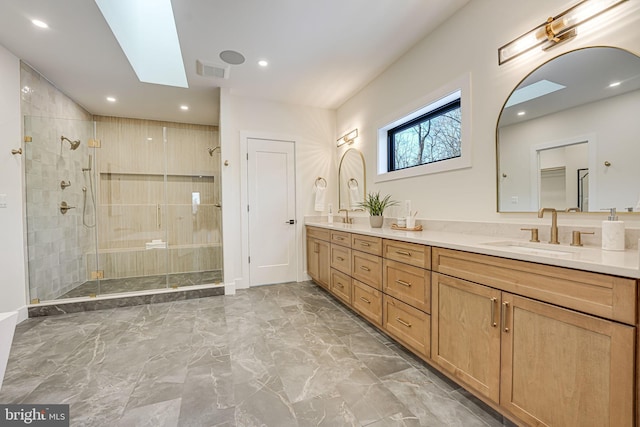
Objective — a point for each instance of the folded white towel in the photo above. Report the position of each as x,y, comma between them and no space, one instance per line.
321,195
355,198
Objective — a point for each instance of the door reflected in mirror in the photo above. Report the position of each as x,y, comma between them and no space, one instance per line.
567,136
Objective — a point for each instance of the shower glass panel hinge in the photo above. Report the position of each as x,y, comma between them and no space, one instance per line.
98,274
28,139
94,143
35,301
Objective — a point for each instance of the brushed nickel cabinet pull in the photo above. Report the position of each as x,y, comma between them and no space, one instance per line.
365,300
339,238
362,267
494,301
340,285
364,244
403,283
340,258
404,253
505,306
402,322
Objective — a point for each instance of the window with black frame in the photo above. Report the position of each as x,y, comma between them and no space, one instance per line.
429,138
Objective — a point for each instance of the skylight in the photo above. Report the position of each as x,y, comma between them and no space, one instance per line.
533,91
146,31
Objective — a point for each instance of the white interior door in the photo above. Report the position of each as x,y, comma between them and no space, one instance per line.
271,198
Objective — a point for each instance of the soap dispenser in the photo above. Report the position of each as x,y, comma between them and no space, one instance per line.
613,233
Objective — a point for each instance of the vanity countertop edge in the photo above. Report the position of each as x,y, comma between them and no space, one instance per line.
588,258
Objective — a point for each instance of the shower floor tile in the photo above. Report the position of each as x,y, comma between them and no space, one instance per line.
279,355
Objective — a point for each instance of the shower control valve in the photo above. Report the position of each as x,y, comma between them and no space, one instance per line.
64,207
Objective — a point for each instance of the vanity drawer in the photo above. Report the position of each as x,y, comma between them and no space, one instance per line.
409,253
341,238
408,325
341,258
599,294
371,245
341,286
409,284
368,302
367,268
319,233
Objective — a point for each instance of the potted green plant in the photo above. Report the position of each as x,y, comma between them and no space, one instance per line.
375,205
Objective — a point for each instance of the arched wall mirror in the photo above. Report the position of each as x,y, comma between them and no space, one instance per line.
352,180
568,135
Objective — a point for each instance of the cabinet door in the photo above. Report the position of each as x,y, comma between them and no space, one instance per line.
465,333
318,261
324,263
563,368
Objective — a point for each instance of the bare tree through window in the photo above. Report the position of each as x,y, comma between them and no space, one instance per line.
430,138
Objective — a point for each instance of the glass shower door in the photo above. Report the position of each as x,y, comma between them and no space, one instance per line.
61,238
193,206
132,227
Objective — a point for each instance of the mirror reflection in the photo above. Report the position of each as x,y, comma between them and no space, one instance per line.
567,136
351,180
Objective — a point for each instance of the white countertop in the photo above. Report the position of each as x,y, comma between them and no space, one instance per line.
620,263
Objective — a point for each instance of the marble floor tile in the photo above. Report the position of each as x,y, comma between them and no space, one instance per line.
279,355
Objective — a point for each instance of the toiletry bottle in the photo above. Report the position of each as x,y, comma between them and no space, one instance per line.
330,215
613,233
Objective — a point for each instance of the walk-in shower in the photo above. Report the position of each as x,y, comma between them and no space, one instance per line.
141,207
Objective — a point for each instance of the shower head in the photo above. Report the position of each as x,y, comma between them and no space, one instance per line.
74,144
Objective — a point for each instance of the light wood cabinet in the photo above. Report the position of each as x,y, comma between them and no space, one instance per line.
367,268
318,261
465,333
408,253
341,238
368,302
408,325
341,286
368,244
563,368
341,258
546,365
544,345
407,283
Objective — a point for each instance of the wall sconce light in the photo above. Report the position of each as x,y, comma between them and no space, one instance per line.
556,29
348,138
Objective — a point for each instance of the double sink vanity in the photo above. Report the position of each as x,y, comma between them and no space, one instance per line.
545,334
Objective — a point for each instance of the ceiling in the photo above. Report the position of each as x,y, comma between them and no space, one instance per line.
586,75
320,52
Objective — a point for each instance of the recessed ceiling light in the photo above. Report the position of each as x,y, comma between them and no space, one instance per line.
39,23
614,84
263,63
111,99
232,57
521,113
184,107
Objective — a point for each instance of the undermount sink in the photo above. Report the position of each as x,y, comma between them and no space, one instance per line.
532,248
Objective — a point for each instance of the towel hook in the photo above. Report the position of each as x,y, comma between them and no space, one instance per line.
322,181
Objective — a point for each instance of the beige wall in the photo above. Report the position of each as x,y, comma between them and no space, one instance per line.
468,43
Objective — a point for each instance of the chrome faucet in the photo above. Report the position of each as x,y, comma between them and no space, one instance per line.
554,224
346,219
